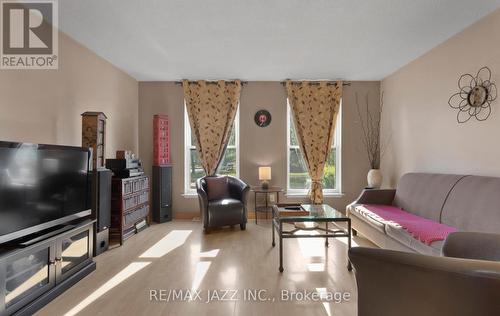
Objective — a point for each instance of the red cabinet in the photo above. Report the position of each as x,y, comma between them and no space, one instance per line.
161,140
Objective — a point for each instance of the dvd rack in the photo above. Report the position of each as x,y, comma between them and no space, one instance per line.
129,206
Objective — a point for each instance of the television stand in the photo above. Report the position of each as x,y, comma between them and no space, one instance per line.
45,236
36,271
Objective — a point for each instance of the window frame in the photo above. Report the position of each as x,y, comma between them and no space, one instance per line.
188,191
337,145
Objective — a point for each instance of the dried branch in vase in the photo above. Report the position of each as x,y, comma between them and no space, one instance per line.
370,125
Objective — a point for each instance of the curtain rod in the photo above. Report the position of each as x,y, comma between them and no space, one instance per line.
314,82
212,81
246,82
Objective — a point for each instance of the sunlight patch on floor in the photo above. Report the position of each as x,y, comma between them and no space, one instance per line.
201,266
311,247
201,271
121,276
316,267
209,254
229,276
296,277
322,292
172,240
197,253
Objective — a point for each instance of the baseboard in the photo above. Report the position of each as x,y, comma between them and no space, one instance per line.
191,215
186,215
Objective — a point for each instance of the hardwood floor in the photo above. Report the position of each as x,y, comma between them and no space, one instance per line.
178,256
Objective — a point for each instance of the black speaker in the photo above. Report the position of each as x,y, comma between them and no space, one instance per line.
101,241
101,208
162,193
101,198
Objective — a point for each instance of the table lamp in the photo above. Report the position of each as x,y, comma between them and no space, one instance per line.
265,176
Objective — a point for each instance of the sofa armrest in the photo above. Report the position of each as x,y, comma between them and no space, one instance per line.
376,196
394,283
472,245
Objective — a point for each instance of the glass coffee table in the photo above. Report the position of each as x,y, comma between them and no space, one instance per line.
305,217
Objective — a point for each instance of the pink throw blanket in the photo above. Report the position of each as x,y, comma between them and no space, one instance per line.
423,229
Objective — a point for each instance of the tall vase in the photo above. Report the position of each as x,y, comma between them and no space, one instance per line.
374,178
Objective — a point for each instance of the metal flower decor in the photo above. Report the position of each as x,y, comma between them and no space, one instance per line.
475,96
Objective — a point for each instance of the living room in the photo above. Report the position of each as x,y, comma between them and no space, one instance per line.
327,158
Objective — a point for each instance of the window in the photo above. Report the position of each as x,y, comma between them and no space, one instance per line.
192,164
298,180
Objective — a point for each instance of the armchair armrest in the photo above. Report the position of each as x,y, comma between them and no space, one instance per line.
203,200
472,245
238,189
376,196
393,283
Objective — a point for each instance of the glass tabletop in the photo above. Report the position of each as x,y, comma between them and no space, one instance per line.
259,189
317,212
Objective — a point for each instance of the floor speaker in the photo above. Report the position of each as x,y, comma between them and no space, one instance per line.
101,241
101,208
162,193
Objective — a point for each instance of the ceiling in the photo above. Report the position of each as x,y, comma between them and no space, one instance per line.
155,40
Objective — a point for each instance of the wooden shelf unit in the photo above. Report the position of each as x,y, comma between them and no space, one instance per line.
129,205
94,136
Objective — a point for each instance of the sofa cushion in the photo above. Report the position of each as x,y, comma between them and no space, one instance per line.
424,194
474,205
425,230
217,188
403,236
372,219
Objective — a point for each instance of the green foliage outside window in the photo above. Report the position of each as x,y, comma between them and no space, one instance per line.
226,167
298,176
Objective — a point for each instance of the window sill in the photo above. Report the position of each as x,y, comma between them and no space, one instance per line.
305,195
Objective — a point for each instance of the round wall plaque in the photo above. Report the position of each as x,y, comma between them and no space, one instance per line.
262,118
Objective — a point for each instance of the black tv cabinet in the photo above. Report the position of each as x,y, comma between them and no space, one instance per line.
32,276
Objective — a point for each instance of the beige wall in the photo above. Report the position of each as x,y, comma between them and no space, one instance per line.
425,134
44,106
257,145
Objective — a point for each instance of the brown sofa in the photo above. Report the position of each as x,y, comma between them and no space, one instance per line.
464,282
467,203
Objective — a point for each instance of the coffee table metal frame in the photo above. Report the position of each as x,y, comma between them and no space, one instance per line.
327,232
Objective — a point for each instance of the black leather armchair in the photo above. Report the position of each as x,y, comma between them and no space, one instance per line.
394,283
230,209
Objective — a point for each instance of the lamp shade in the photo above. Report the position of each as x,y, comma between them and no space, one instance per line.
264,173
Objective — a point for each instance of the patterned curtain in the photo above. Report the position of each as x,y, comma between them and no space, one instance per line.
315,106
211,108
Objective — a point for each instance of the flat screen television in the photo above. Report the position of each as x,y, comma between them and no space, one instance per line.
41,186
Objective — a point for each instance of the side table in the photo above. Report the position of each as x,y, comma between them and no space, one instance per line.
265,208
